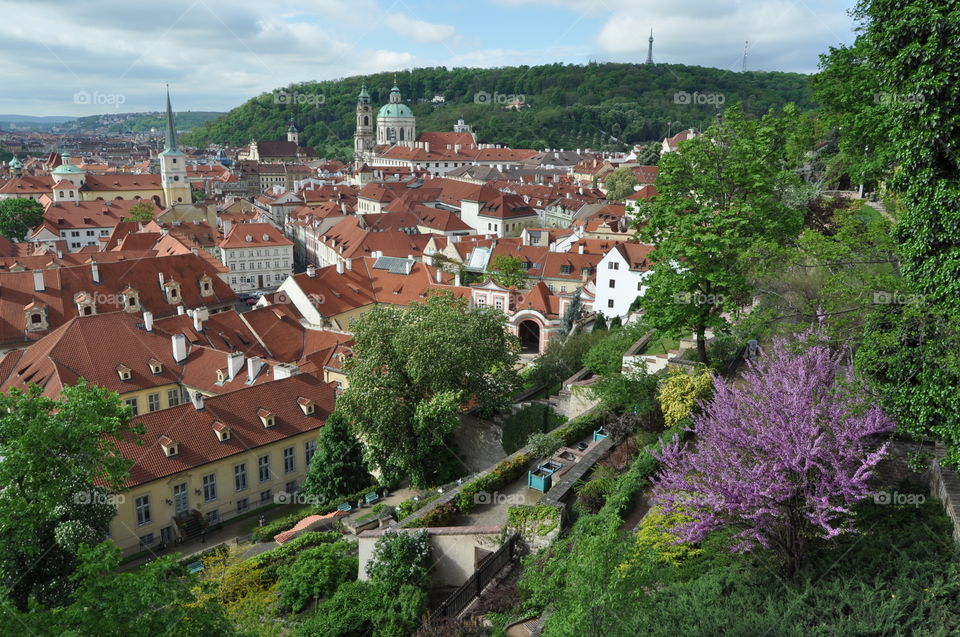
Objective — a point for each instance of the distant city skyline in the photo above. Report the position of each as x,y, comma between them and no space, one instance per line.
85,58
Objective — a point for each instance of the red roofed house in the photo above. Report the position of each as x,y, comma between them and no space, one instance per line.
258,256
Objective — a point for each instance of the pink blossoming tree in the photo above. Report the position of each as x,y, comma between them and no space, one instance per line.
780,456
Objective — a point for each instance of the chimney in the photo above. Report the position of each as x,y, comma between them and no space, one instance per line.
410,257
197,321
456,278
234,364
95,271
179,347
284,370
339,266
38,285
580,249
160,276
148,321
180,310
197,399
349,263
439,275
254,364
426,146
312,271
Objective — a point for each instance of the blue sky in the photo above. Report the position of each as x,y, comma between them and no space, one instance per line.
117,54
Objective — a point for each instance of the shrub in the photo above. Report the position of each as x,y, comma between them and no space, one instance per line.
400,557
542,444
500,476
536,418
681,393
578,428
367,608
273,559
657,534
266,532
440,515
407,507
317,572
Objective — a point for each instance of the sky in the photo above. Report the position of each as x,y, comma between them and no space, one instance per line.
84,57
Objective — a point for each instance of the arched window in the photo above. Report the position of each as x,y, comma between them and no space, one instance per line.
366,120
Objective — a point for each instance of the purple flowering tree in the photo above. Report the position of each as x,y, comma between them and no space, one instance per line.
780,456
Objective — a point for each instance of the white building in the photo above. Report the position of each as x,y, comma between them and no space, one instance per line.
258,256
620,278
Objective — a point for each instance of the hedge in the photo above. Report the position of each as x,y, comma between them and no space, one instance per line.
500,476
274,558
578,428
266,532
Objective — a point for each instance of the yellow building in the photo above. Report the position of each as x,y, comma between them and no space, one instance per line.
212,459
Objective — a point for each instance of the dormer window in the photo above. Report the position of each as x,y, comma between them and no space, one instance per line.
222,431
266,417
123,372
35,317
172,290
206,286
306,405
156,367
170,448
221,375
131,300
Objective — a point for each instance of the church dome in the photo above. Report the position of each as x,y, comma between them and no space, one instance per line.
395,110
16,163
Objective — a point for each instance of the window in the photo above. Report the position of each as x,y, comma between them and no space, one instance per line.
481,301
263,468
142,506
289,463
610,303
566,268
75,233
613,265
233,280
89,233
265,496
210,487
291,487
240,476
639,286
310,448
153,402
173,397
498,303
213,517
242,505
613,283
133,405
146,540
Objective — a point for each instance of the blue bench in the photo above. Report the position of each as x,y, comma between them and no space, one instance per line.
195,567
371,497
345,506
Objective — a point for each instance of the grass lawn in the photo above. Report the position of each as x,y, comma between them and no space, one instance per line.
662,345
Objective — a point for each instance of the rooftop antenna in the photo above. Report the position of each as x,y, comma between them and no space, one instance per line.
746,45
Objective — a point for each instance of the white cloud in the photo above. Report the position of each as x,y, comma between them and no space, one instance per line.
419,30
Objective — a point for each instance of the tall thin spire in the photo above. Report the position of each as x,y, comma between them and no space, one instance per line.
650,49
171,129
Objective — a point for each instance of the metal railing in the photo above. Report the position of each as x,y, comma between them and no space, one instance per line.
471,589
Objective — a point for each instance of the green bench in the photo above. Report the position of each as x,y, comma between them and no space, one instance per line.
345,507
371,497
195,567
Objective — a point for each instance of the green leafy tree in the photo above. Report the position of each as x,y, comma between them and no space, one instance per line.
59,467
400,557
157,599
413,371
719,194
362,608
599,323
506,270
142,212
317,572
18,217
198,196
337,468
681,393
620,184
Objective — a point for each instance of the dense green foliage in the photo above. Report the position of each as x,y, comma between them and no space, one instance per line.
619,184
602,106
400,557
59,467
733,187
316,573
413,371
363,608
681,392
536,418
18,217
337,468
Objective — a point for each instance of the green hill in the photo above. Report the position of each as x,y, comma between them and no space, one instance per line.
608,106
138,122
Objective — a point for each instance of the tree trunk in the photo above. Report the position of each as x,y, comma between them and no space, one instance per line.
702,344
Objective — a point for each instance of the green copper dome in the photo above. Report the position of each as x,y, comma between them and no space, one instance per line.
16,163
66,168
394,110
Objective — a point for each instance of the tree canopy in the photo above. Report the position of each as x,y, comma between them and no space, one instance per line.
337,468
413,372
18,217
